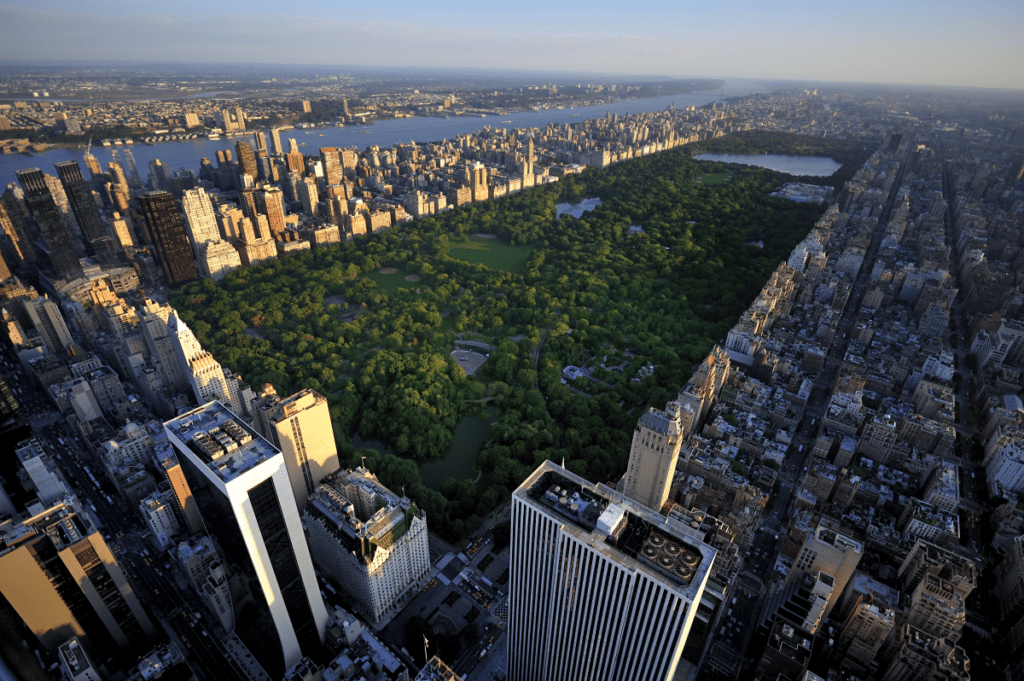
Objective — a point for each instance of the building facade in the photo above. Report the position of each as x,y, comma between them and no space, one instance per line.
241,487
368,539
600,586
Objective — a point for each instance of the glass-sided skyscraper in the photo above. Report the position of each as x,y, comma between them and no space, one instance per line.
601,587
240,484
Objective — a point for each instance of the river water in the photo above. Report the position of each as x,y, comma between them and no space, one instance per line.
384,133
817,166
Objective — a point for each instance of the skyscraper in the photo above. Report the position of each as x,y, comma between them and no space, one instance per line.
200,218
301,428
11,222
80,197
204,374
58,246
168,233
241,486
50,324
270,202
309,195
827,550
331,160
601,587
275,135
246,159
653,456
58,574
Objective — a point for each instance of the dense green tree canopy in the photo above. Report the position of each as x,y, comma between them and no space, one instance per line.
589,294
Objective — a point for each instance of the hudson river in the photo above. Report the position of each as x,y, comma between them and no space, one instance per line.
384,133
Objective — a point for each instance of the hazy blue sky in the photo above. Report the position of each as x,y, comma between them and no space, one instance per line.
930,42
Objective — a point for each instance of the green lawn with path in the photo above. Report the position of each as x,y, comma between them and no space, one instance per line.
491,253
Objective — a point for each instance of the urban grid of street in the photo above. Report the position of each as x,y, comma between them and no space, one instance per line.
475,591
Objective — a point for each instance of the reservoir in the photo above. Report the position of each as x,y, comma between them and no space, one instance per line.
384,133
817,166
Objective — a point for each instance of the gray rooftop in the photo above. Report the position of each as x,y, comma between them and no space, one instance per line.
221,440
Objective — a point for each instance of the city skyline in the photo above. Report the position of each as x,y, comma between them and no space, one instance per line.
940,44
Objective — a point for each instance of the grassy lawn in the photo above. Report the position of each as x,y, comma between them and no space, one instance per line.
391,282
491,253
713,178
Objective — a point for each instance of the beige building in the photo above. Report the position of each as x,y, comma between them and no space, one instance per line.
826,550
182,494
653,456
301,427
217,258
369,540
56,572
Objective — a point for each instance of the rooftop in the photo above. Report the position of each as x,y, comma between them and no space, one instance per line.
620,528
221,440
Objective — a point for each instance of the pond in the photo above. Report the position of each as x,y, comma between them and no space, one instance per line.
577,209
469,435
817,166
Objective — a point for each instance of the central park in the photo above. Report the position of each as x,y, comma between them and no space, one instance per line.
384,325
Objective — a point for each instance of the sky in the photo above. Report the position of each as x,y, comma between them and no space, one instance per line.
928,42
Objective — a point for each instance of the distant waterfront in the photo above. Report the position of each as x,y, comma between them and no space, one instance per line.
385,133
817,166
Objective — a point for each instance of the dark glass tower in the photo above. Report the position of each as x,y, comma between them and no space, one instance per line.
168,233
57,242
246,159
80,196
108,251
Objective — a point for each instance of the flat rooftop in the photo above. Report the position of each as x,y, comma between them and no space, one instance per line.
221,440
619,527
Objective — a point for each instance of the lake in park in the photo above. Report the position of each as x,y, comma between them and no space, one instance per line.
817,166
469,435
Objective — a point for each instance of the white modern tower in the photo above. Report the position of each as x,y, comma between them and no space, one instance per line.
241,487
602,587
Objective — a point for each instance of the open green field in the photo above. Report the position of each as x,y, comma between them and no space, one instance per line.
491,253
713,178
391,282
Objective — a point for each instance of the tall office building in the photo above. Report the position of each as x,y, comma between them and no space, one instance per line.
301,428
246,159
168,233
247,199
601,586
275,136
49,322
203,373
653,456
153,318
260,139
270,202
200,217
370,540
58,574
240,484
309,195
863,633
57,244
829,551
331,160
83,205
12,224
93,164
